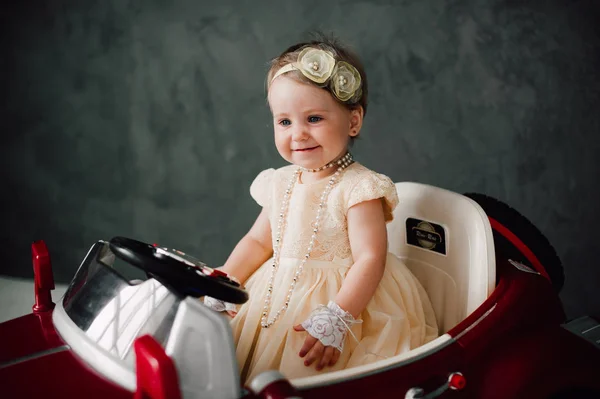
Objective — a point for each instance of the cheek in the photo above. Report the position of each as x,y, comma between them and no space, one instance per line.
340,133
281,141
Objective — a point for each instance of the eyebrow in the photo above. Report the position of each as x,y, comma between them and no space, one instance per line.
307,112
317,111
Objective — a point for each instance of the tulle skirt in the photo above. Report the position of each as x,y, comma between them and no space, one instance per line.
398,318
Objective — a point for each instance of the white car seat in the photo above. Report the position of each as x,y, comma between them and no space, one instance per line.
446,240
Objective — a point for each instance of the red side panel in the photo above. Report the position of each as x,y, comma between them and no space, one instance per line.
539,365
427,373
27,335
521,302
59,375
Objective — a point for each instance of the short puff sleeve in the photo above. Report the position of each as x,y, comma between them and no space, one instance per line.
372,186
262,187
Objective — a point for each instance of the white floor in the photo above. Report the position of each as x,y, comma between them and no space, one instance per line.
16,297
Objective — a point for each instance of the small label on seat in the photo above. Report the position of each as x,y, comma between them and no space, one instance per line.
426,235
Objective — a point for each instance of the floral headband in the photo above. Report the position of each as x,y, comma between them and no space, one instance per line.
321,67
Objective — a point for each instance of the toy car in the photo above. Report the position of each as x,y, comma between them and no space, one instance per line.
492,278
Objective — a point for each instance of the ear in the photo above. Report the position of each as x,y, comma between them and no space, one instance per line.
356,120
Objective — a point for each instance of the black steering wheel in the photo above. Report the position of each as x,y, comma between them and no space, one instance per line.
180,273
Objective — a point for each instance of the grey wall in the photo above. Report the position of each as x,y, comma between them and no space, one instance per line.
148,118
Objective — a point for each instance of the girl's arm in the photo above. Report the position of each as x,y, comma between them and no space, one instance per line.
368,242
252,250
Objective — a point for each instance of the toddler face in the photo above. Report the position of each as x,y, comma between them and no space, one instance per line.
311,128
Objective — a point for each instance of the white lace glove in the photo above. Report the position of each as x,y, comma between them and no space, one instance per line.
218,305
329,325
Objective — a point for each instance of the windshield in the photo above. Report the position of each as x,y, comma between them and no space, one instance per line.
112,307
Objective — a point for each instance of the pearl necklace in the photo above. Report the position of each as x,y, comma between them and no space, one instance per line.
342,163
343,159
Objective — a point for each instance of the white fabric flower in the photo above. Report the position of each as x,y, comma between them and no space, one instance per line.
329,324
316,64
345,81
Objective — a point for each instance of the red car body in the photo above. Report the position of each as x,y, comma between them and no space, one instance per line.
515,345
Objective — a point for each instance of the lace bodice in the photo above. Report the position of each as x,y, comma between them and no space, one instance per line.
356,184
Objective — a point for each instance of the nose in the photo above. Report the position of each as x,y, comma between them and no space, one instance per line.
299,132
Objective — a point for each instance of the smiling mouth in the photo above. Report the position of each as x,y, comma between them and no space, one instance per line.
306,149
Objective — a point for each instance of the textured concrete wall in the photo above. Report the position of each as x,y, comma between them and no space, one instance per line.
148,119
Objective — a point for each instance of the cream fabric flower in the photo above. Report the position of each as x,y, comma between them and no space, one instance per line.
345,81
320,66
316,64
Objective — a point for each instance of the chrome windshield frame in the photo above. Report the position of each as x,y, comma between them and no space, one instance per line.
101,315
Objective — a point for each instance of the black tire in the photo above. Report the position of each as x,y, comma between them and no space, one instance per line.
520,226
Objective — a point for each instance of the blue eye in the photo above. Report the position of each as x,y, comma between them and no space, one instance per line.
285,122
314,119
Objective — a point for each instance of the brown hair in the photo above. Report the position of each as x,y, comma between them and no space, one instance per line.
340,52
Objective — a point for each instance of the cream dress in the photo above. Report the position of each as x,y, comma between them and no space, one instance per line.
398,318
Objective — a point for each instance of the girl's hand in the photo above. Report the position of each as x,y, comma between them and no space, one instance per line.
314,350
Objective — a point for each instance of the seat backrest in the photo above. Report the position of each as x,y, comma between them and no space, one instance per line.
446,240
